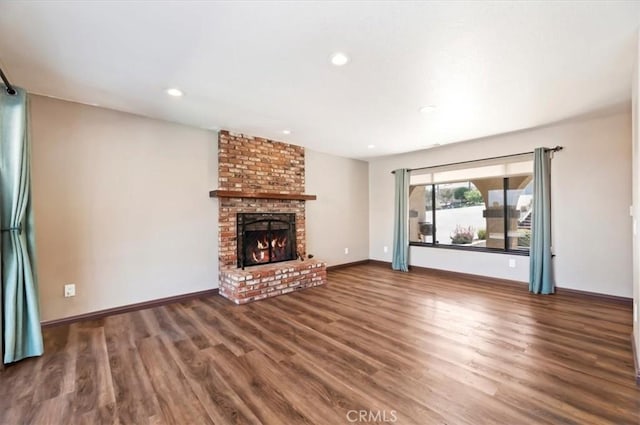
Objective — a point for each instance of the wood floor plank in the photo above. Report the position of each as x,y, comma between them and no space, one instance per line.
237,324
51,411
359,392
184,322
222,404
266,402
104,415
87,390
292,388
173,392
136,401
432,349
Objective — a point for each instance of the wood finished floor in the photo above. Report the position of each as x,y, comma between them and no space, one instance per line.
418,348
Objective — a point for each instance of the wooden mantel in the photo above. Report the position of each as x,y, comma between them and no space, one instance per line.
260,195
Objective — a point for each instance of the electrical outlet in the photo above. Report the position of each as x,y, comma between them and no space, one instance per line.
69,290
512,263
346,250
385,249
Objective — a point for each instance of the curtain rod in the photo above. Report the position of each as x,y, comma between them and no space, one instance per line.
6,82
555,149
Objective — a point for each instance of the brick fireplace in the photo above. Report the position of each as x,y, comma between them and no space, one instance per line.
261,178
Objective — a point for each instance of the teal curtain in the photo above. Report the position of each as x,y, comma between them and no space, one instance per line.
401,219
21,333
540,268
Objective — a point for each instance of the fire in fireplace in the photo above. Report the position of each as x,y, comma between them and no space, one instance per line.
265,238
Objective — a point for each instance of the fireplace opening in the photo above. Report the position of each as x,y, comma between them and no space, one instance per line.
265,238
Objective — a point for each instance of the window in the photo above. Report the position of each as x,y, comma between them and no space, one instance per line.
488,207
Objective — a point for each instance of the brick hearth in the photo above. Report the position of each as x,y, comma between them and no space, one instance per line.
257,165
269,280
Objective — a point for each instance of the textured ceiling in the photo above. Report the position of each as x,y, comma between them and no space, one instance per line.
262,67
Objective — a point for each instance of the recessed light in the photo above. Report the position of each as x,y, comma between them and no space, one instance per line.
286,131
174,92
427,109
339,59
371,146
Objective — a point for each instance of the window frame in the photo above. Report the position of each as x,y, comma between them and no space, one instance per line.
504,250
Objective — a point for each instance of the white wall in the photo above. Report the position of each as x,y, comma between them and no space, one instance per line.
339,218
635,94
591,195
121,207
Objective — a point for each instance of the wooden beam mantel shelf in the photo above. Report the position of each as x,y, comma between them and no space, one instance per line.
260,195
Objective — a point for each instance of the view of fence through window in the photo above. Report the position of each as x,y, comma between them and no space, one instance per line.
472,213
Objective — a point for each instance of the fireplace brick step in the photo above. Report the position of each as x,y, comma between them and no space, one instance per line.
270,280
